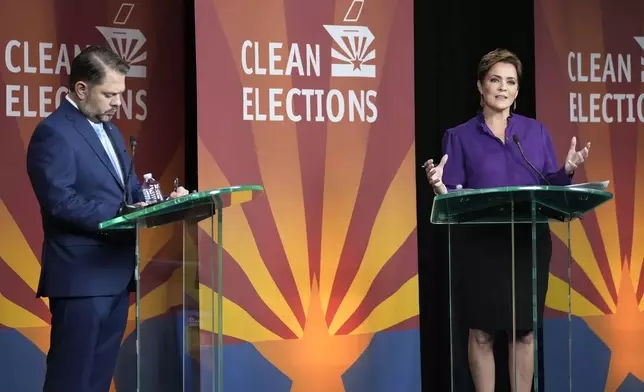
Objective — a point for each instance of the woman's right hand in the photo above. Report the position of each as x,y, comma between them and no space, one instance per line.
435,175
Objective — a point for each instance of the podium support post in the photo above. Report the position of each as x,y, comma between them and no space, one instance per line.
187,287
516,207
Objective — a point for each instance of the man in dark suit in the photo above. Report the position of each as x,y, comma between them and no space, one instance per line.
77,163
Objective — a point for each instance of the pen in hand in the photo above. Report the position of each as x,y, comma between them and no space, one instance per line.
175,187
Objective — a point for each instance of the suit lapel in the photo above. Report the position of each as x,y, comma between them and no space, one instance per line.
81,124
119,149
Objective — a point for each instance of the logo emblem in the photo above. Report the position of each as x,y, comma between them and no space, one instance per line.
126,42
640,40
354,43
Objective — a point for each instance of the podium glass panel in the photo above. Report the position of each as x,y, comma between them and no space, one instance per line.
520,217
177,315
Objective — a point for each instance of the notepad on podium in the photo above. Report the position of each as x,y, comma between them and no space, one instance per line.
599,185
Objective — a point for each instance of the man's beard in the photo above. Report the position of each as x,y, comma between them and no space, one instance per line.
105,117
86,110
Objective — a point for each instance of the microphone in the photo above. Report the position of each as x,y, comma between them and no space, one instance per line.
516,141
126,185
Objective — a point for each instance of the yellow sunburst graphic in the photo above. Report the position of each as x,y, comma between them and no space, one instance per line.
606,246
394,226
327,256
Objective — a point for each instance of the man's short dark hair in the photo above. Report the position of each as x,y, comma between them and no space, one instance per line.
91,63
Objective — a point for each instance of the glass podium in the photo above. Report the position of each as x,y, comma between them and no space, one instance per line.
518,208
184,288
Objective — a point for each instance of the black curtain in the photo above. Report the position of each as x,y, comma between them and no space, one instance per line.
450,38
190,98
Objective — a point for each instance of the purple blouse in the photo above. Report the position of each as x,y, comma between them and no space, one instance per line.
478,159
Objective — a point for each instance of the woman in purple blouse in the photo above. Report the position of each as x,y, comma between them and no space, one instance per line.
484,153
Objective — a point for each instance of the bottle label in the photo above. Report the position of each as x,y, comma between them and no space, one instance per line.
152,191
146,195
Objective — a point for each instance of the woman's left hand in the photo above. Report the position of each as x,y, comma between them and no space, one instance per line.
575,158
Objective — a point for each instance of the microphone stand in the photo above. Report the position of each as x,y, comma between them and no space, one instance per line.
516,141
124,208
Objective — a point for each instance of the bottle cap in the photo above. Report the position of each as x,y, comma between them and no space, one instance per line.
147,176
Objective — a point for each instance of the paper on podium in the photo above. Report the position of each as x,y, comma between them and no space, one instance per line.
599,185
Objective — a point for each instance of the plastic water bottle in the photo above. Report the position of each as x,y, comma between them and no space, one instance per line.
151,189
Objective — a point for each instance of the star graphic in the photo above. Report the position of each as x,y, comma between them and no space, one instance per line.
356,64
623,333
317,361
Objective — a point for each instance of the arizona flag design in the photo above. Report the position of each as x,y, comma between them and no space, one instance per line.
590,84
314,101
39,39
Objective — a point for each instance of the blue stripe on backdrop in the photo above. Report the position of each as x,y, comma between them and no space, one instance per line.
390,359
389,364
590,358
22,364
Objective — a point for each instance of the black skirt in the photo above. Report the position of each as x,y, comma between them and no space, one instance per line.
482,275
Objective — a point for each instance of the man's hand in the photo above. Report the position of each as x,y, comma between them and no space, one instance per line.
181,191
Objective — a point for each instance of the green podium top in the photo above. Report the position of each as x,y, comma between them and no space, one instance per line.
193,207
514,204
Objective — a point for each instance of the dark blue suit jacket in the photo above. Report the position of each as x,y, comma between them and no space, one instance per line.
77,188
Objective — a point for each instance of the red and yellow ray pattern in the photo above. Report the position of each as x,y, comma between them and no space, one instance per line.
607,251
160,137
327,255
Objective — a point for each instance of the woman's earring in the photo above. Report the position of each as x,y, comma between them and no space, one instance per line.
514,107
